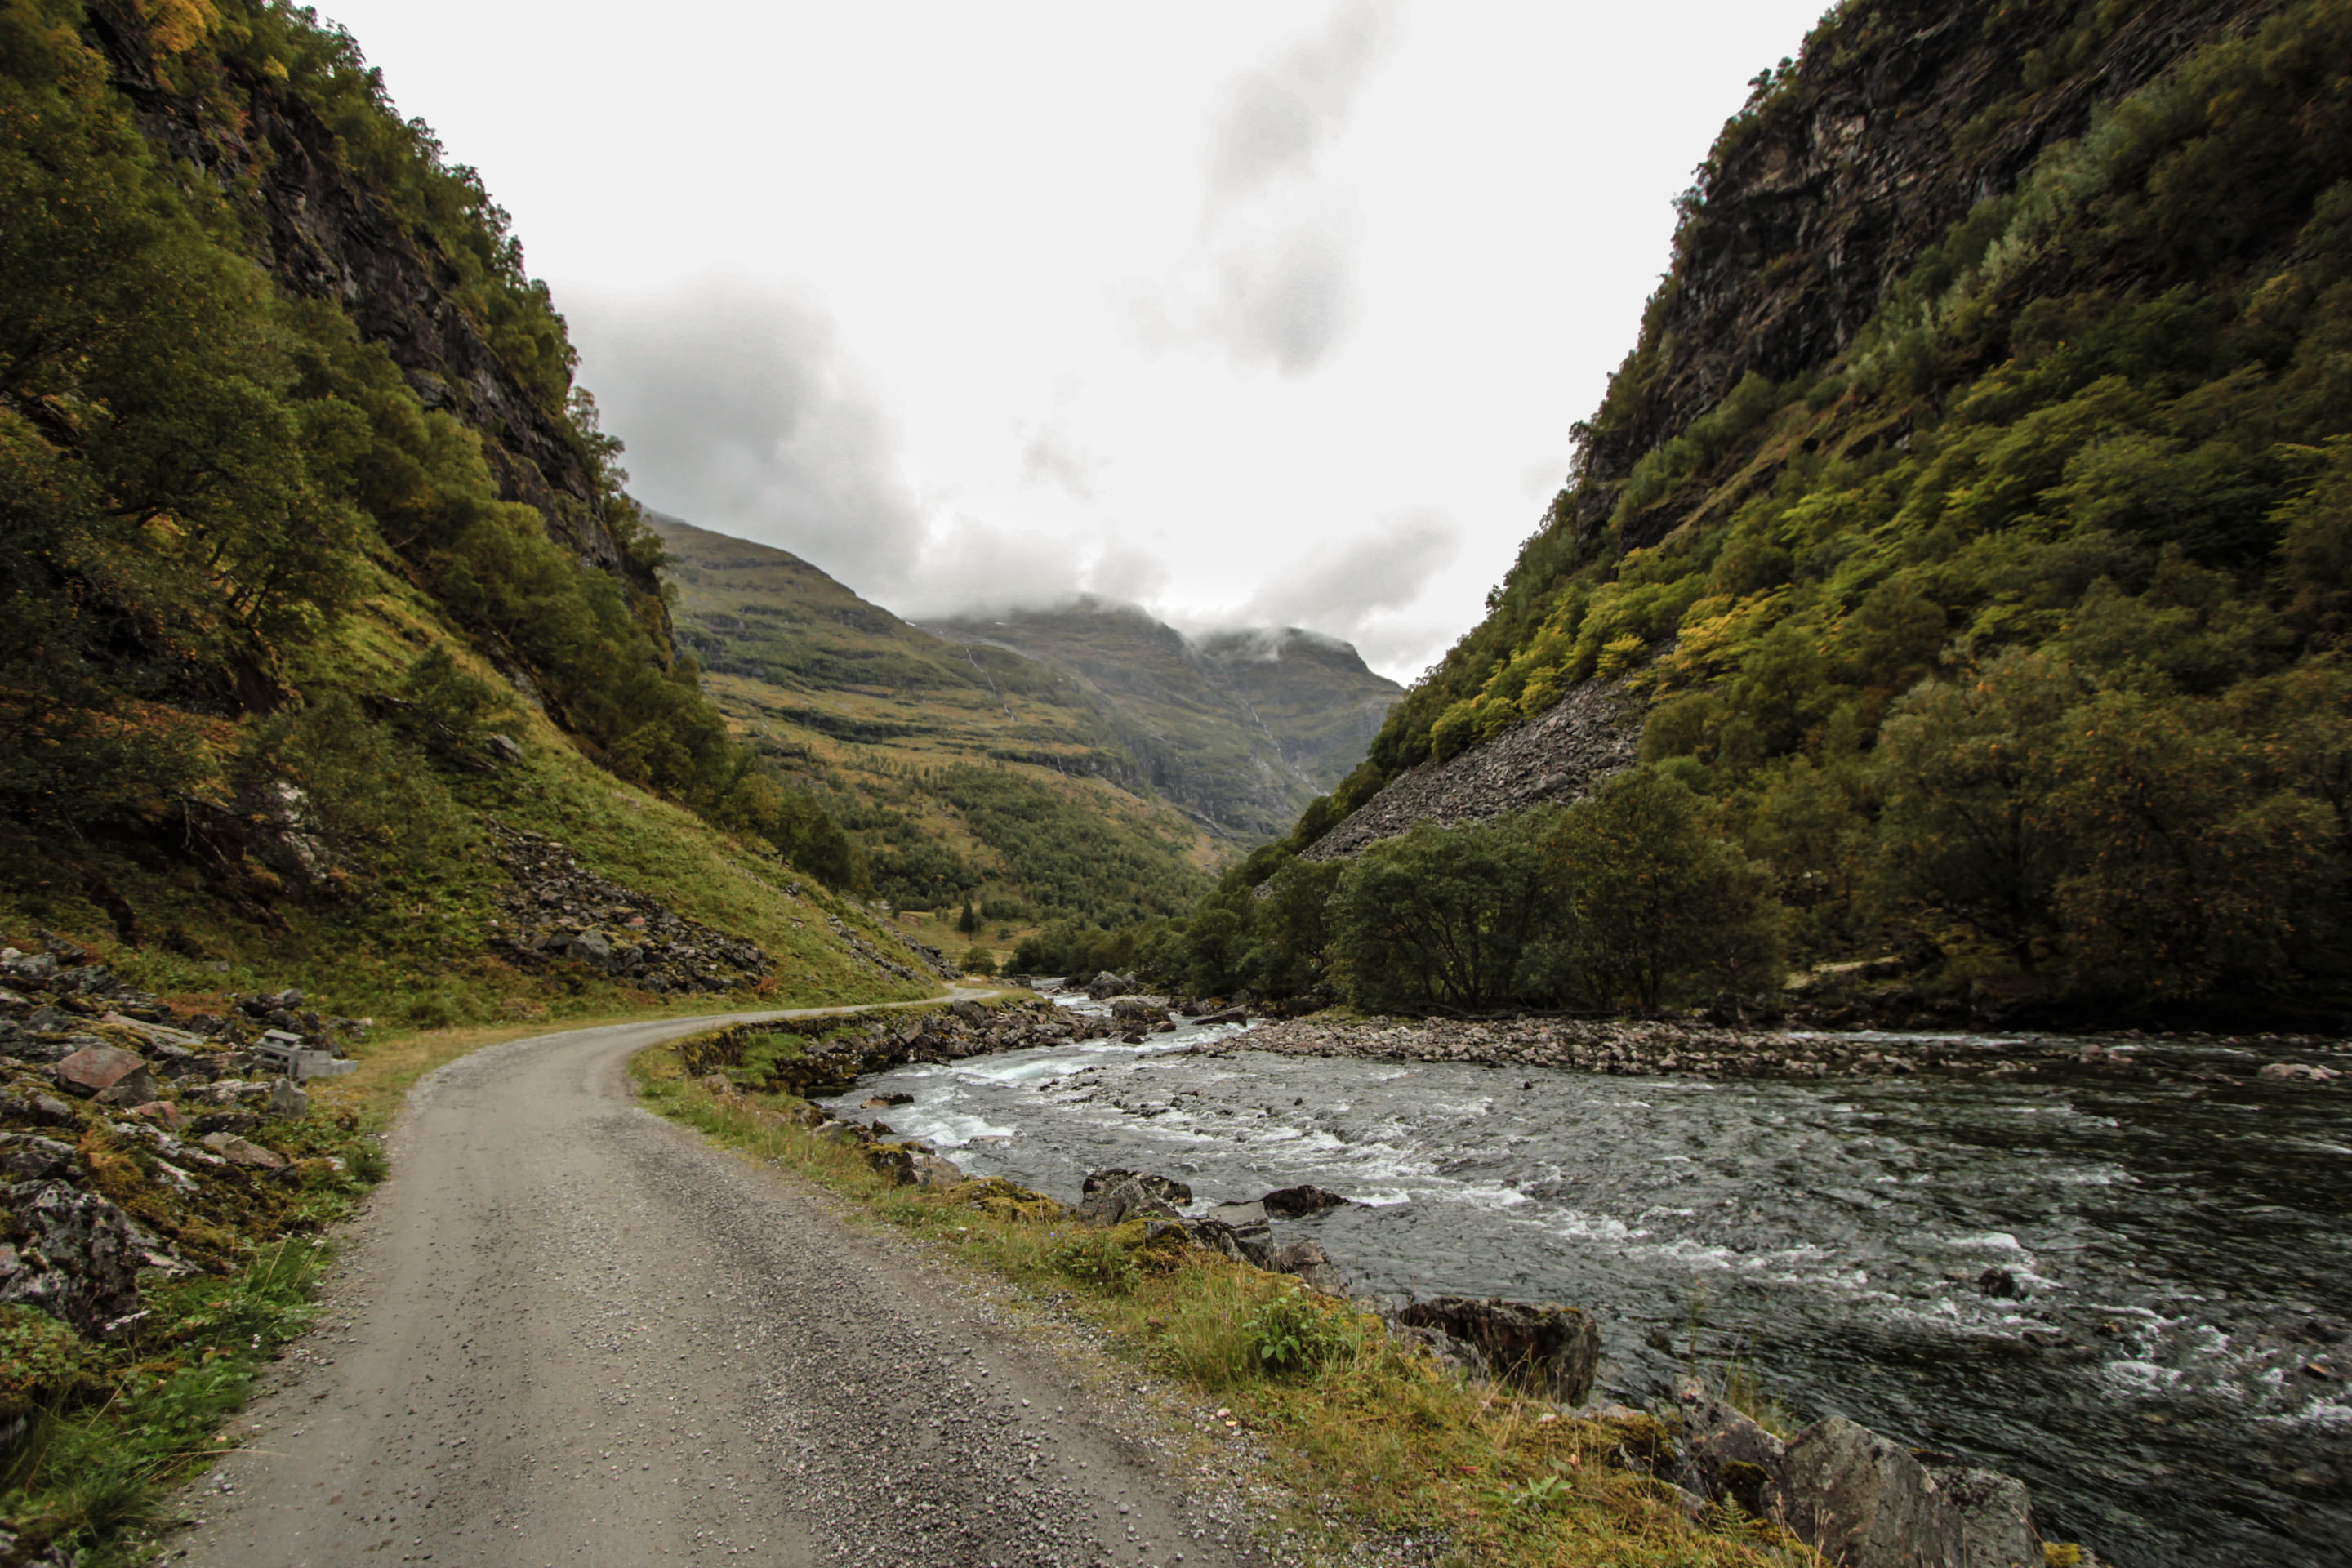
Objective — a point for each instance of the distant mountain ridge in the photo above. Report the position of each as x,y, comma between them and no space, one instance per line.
1238,728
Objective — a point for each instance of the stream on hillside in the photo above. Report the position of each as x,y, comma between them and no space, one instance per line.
2180,1252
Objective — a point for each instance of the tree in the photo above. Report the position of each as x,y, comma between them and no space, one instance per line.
1655,898
1967,830
1442,917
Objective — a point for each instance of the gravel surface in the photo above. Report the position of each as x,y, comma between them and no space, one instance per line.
568,1331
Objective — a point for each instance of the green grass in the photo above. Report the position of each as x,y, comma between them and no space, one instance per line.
1360,1428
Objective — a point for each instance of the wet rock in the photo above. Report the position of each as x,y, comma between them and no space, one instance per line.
2300,1072
285,1100
1139,1010
883,1101
237,1152
1106,985
1862,1502
94,1069
2001,1284
1988,1516
1113,1196
29,1157
73,1255
1228,1015
1301,1202
1547,1349
1311,1264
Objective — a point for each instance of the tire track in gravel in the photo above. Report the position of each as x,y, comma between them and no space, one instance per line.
567,1333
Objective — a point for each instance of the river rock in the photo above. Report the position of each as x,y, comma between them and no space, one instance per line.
1133,1010
884,1101
936,1171
1106,985
94,1069
1988,1515
1251,1234
1229,1016
1546,1349
1113,1196
1311,1264
1727,1455
1862,1502
1301,1202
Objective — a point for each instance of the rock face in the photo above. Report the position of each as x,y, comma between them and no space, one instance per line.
1550,1351
1592,732
554,911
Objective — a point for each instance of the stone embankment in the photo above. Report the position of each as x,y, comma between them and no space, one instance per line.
1652,1047
103,1087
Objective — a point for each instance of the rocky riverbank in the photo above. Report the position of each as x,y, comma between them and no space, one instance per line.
1651,1047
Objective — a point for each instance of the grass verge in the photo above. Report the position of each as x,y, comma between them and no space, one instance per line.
1363,1428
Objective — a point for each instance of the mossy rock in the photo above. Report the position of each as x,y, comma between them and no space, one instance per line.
1007,1200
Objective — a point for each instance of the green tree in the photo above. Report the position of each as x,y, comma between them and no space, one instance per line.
1442,917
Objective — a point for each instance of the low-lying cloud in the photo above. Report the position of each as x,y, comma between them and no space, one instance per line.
742,413
1361,589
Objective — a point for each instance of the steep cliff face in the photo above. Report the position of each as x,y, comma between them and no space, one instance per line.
325,232
1901,117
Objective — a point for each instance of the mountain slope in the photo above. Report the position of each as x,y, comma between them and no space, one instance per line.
329,648
1243,727
912,736
1964,533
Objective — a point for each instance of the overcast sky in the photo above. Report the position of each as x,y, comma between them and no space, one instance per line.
1265,311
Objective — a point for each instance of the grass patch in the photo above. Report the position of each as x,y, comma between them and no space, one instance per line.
1360,1426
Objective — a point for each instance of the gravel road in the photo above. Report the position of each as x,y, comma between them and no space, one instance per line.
569,1332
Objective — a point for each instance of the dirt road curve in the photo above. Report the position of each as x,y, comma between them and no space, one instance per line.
567,1333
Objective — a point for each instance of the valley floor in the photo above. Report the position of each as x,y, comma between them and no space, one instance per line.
567,1331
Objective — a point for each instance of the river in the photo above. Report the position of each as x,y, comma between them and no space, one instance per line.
2133,1293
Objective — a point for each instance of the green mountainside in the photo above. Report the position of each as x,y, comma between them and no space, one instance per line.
1087,766
329,648
1964,550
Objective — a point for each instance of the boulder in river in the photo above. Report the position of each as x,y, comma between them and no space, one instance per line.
1226,1015
1862,1502
1106,985
1300,1203
1253,1238
1547,1349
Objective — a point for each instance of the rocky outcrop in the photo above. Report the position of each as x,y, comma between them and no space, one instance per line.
1858,1498
1901,117
552,911
1561,755
1550,1351
324,234
1114,1196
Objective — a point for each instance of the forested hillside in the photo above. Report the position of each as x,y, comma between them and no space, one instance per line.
316,573
1970,533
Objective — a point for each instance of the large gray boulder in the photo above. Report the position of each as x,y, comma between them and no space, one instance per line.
1106,985
1550,1351
1991,1515
1313,1266
1862,1502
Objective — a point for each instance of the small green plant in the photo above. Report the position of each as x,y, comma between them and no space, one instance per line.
1537,1496
1096,1258
1296,1332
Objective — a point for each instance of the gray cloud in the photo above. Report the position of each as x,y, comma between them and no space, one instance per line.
1359,589
1272,279
1052,457
741,413
1272,121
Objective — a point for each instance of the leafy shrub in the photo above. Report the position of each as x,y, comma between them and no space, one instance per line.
1300,1333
